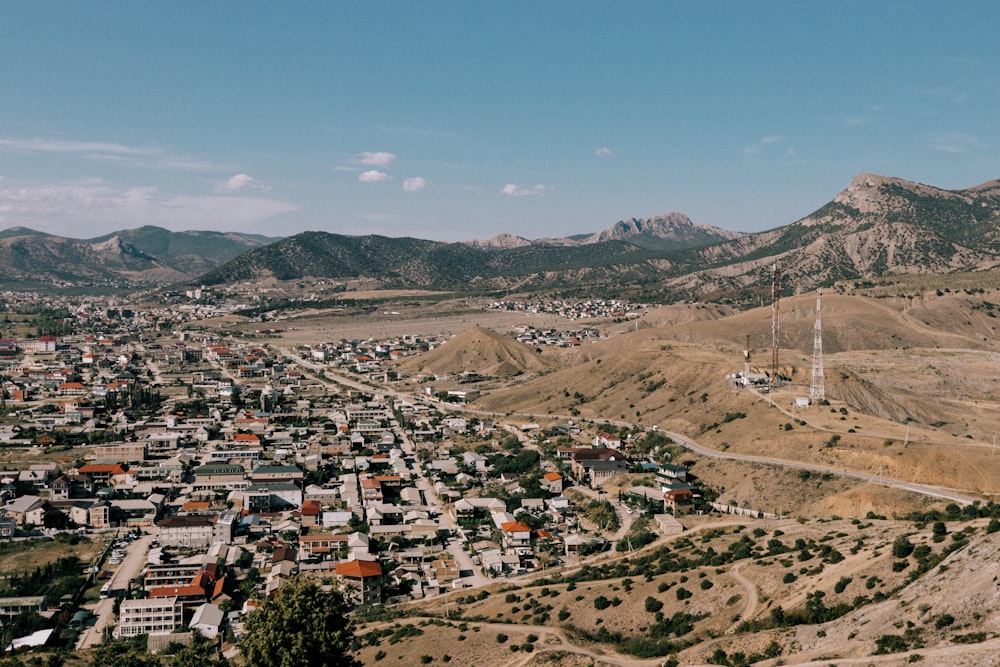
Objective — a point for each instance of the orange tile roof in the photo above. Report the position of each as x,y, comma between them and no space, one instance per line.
516,527
552,476
359,569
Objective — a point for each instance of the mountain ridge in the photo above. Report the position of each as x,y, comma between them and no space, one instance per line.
876,226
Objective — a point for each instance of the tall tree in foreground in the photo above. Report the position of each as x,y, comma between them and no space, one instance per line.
303,625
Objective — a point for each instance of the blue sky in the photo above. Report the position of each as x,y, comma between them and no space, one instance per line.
460,120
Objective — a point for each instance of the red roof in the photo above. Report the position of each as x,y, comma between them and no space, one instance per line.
102,468
246,437
179,591
552,476
516,527
359,569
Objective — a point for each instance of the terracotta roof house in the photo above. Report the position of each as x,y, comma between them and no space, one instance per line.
363,578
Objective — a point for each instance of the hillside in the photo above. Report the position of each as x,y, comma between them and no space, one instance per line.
877,226
912,384
479,350
147,255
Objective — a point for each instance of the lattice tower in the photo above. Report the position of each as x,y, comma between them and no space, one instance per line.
775,296
817,390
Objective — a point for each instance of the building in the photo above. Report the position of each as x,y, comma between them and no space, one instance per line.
149,617
220,477
362,579
322,544
11,607
187,531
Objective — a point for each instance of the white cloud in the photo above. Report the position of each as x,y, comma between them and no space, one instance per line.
373,176
90,208
375,159
955,142
763,143
513,190
415,184
54,146
240,182
603,151
140,156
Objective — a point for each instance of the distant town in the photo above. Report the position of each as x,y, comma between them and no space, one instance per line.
211,466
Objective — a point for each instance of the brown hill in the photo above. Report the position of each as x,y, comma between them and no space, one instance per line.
480,350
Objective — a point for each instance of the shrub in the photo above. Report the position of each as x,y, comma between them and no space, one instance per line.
706,584
683,593
601,602
653,605
902,547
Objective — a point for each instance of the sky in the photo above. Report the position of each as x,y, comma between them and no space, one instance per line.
457,120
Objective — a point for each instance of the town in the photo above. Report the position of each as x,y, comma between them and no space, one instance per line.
206,467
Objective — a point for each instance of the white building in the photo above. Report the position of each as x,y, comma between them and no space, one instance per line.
148,616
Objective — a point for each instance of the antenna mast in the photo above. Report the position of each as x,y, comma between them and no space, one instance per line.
817,390
746,361
775,290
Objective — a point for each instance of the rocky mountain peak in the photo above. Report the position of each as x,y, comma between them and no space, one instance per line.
501,241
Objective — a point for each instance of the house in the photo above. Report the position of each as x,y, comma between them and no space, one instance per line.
363,580
668,472
516,534
18,508
598,464
608,440
678,493
552,482
207,620
108,474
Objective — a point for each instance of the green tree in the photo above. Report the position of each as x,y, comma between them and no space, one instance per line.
129,652
199,653
303,625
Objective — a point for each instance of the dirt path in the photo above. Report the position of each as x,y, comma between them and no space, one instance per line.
751,594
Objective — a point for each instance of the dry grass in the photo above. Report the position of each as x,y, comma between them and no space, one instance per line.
26,555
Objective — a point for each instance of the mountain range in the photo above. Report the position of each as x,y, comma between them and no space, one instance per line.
878,225
150,255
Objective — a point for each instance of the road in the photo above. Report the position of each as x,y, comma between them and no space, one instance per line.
923,489
128,569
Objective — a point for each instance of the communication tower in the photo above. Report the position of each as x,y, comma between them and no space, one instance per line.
746,361
775,295
817,390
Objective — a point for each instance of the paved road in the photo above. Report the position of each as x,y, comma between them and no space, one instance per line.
127,570
923,489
